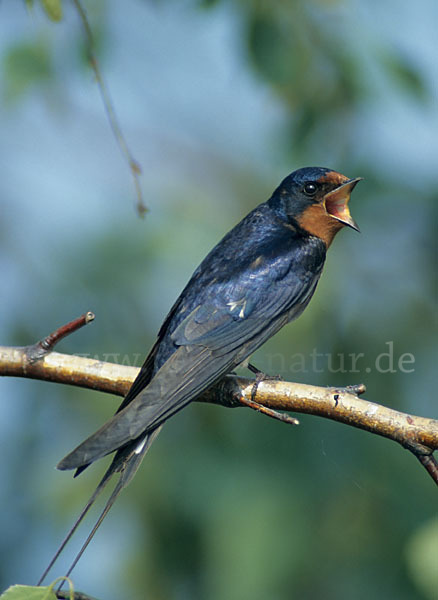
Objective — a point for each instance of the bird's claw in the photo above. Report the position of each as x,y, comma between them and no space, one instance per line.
259,377
356,389
251,403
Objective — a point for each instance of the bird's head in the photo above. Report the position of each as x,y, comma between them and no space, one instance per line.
316,199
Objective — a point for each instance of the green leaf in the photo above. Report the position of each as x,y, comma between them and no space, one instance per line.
53,9
421,556
25,65
28,592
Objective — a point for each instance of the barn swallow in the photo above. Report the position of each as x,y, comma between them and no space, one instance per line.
257,279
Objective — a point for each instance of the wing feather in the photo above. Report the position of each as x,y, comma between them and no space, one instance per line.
229,321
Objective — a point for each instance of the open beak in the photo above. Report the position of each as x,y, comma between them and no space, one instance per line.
336,203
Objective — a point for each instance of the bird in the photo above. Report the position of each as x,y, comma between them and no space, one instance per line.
258,278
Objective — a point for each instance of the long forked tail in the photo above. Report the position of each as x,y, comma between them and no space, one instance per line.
126,461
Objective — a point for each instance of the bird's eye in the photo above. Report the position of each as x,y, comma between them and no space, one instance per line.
310,188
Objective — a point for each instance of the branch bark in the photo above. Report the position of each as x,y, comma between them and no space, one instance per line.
417,434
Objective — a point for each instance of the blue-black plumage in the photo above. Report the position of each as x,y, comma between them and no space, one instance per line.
259,277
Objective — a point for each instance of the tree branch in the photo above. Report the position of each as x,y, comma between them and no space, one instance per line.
417,434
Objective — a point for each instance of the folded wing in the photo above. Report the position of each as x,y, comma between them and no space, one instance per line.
230,322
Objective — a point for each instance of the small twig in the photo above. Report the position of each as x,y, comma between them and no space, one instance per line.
269,412
46,345
429,463
134,166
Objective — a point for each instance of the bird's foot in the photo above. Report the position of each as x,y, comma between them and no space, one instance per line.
259,377
251,403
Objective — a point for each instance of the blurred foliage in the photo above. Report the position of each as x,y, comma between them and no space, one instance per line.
229,504
53,9
306,53
404,74
26,65
303,51
421,555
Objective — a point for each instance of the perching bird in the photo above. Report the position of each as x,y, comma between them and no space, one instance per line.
259,277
